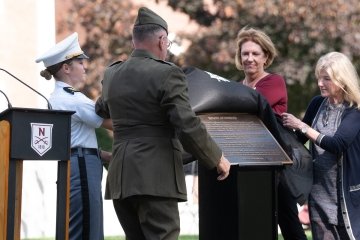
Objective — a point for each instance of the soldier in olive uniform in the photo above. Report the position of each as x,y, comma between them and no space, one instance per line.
147,99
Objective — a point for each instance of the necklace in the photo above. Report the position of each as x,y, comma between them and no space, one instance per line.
325,117
339,108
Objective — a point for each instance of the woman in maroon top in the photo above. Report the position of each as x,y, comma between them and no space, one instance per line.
255,52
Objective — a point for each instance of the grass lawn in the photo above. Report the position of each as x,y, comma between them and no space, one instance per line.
183,237
307,232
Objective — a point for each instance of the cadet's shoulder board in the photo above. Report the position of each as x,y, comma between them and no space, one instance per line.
70,90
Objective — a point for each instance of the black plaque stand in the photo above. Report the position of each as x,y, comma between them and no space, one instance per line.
243,206
33,134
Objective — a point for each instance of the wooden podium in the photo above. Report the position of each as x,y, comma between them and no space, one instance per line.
32,134
243,206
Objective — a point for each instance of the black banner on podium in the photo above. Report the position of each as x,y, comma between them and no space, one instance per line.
38,134
33,134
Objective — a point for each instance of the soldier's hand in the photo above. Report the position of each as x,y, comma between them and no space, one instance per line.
223,168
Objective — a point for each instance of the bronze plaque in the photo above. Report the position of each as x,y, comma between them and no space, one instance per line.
244,139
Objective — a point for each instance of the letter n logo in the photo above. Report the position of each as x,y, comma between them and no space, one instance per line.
41,137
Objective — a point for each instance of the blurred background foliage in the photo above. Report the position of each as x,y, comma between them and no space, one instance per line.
302,31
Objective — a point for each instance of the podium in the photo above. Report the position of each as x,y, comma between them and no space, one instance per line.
33,134
243,206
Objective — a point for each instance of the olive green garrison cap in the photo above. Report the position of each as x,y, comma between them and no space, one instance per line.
146,16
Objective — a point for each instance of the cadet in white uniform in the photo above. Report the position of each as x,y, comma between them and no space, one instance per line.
65,62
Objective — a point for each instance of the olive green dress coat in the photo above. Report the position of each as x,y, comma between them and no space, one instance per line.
147,100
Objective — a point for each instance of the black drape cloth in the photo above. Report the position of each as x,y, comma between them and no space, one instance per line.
210,93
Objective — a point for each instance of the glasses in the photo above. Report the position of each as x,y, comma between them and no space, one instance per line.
169,43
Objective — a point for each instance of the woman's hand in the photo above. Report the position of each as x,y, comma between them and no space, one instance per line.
294,123
290,121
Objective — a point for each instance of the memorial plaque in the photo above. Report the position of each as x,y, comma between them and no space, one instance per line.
244,139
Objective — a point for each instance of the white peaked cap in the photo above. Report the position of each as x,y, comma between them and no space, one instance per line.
62,51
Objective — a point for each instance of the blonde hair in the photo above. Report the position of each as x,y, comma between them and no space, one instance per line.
343,74
258,37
